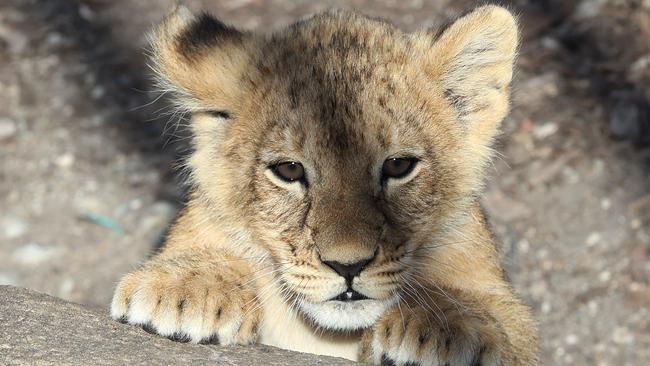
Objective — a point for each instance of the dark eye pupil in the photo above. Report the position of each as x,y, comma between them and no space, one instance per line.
289,171
397,167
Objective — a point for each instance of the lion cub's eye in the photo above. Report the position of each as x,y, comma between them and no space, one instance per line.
397,167
290,171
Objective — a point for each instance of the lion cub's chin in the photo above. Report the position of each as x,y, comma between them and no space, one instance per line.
346,315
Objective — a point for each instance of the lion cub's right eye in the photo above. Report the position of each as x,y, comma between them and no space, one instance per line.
289,171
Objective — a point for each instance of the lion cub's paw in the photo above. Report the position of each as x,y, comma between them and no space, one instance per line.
189,305
418,337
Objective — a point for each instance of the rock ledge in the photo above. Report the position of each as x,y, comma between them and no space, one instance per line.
39,329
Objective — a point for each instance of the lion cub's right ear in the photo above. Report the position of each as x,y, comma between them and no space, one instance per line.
200,59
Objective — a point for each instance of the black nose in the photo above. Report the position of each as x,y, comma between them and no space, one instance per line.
348,271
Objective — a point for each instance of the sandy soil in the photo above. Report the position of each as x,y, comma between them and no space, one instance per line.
88,186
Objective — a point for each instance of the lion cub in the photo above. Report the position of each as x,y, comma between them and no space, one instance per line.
336,174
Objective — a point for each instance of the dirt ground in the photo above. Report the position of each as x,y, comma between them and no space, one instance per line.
87,156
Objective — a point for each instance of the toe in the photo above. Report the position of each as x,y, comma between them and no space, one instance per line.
122,297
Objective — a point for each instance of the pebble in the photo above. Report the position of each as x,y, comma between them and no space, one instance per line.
54,39
542,253
605,204
571,175
537,88
65,161
548,172
622,335
593,239
589,8
86,13
629,116
571,339
13,227
14,38
635,287
128,207
97,92
605,276
550,43
639,67
545,130
598,167
156,218
523,245
88,203
538,289
34,253
135,204
600,348
7,129
504,208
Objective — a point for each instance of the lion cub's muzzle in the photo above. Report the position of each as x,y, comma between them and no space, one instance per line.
349,272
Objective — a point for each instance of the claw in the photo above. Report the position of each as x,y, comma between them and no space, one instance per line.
179,337
213,339
149,328
385,361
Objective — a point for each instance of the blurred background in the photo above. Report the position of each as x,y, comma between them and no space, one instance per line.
87,155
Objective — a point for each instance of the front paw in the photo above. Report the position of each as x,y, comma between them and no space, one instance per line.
423,336
198,304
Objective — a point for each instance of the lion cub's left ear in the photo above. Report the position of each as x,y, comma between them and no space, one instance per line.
473,60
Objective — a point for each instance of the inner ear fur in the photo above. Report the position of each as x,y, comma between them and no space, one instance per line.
472,60
200,59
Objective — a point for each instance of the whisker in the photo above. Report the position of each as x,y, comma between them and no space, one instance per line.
426,304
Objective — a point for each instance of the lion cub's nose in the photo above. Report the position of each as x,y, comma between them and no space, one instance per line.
348,271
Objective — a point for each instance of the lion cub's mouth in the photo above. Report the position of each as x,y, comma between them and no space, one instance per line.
349,295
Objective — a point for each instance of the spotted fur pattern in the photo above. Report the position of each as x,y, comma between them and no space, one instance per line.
340,93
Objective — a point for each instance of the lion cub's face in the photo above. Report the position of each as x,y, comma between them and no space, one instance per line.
344,147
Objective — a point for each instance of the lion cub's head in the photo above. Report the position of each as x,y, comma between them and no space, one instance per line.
341,145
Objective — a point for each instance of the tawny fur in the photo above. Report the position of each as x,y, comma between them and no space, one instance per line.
339,93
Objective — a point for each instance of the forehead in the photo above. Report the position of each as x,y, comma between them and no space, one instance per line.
334,78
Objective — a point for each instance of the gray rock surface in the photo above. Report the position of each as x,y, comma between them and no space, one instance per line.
37,329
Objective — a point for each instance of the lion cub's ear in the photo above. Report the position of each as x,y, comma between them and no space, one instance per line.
473,60
200,59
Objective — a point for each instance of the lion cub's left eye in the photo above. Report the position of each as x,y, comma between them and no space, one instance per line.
397,167
290,171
